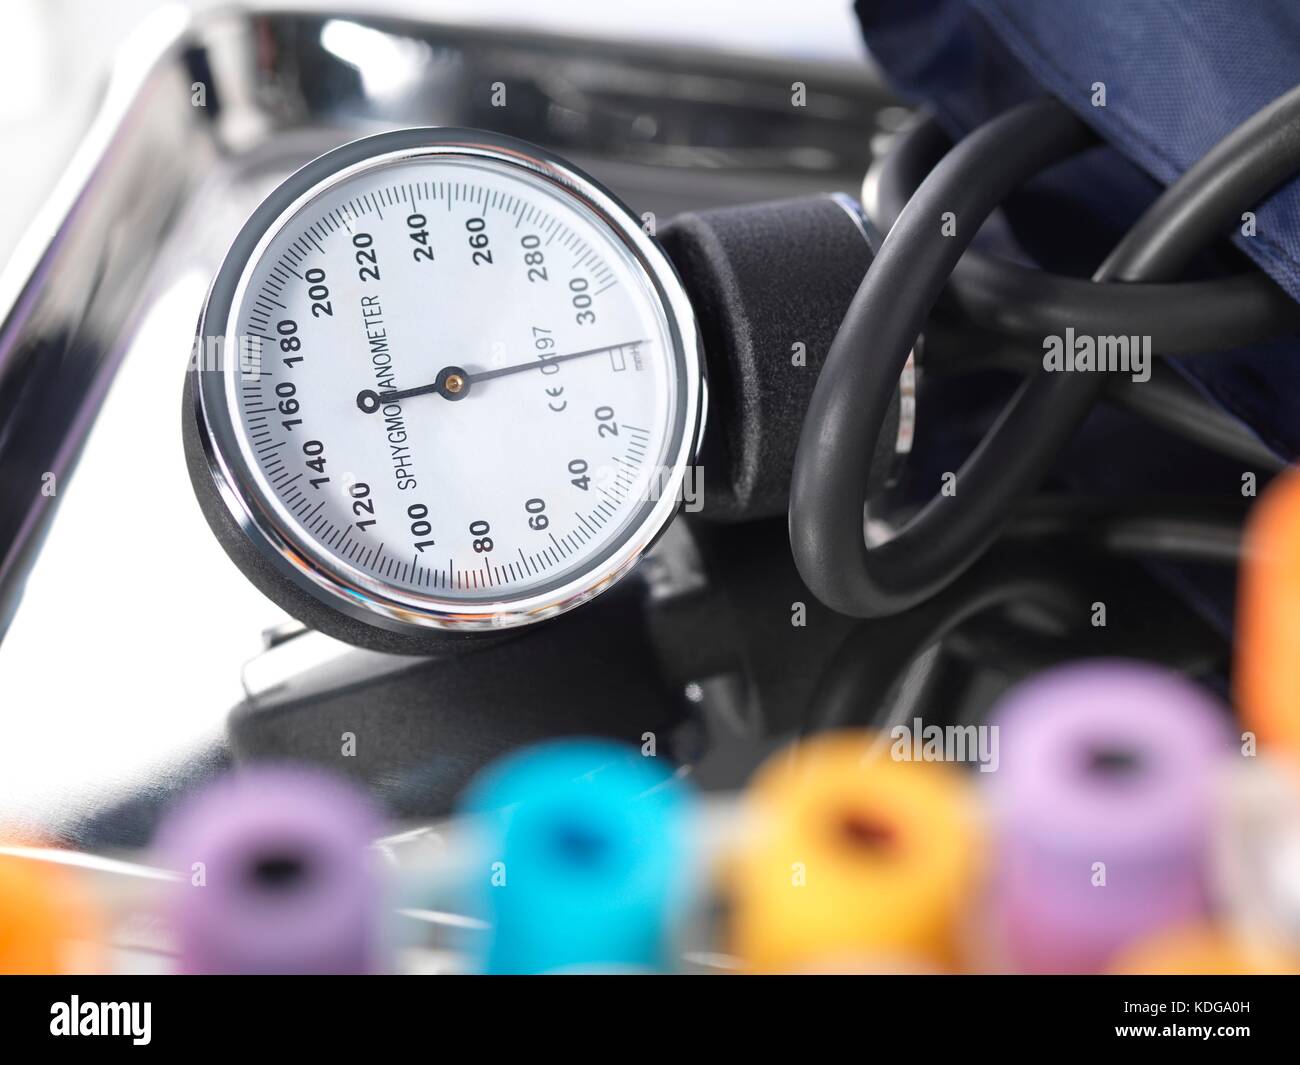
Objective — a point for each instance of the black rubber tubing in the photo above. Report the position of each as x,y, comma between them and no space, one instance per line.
1011,300
1168,399
827,499
1020,305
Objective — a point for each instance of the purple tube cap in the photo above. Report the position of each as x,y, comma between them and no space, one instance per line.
1107,753
277,875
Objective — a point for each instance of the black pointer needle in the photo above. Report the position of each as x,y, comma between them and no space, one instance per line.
453,383
487,375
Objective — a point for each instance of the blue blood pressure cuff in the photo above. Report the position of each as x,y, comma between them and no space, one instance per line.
1161,81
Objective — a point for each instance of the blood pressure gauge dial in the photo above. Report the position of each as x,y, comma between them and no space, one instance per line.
444,382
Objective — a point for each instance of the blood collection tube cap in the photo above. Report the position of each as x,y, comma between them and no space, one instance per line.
1201,950
1101,810
586,861
277,876
48,924
853,860
1267,668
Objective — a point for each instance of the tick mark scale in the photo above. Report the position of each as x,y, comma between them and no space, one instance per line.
358,309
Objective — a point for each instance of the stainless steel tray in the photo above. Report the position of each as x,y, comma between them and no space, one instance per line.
127,627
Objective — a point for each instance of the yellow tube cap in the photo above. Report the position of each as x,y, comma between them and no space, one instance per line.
852,854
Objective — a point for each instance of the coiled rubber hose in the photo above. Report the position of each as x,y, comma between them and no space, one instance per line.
827,499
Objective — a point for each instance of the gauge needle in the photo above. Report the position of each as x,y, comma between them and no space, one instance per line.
453,382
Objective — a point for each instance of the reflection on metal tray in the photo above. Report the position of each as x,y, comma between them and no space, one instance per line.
125,628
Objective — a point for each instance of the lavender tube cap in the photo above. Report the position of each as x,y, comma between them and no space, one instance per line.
1101,811
277,876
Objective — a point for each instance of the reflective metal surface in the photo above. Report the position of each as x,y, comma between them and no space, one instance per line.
200,117
121,663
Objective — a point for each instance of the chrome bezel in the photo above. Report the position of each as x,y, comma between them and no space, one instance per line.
351,591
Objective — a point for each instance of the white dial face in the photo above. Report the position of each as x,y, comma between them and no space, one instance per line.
459,383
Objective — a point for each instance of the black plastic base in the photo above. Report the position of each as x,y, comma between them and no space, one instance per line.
770,284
